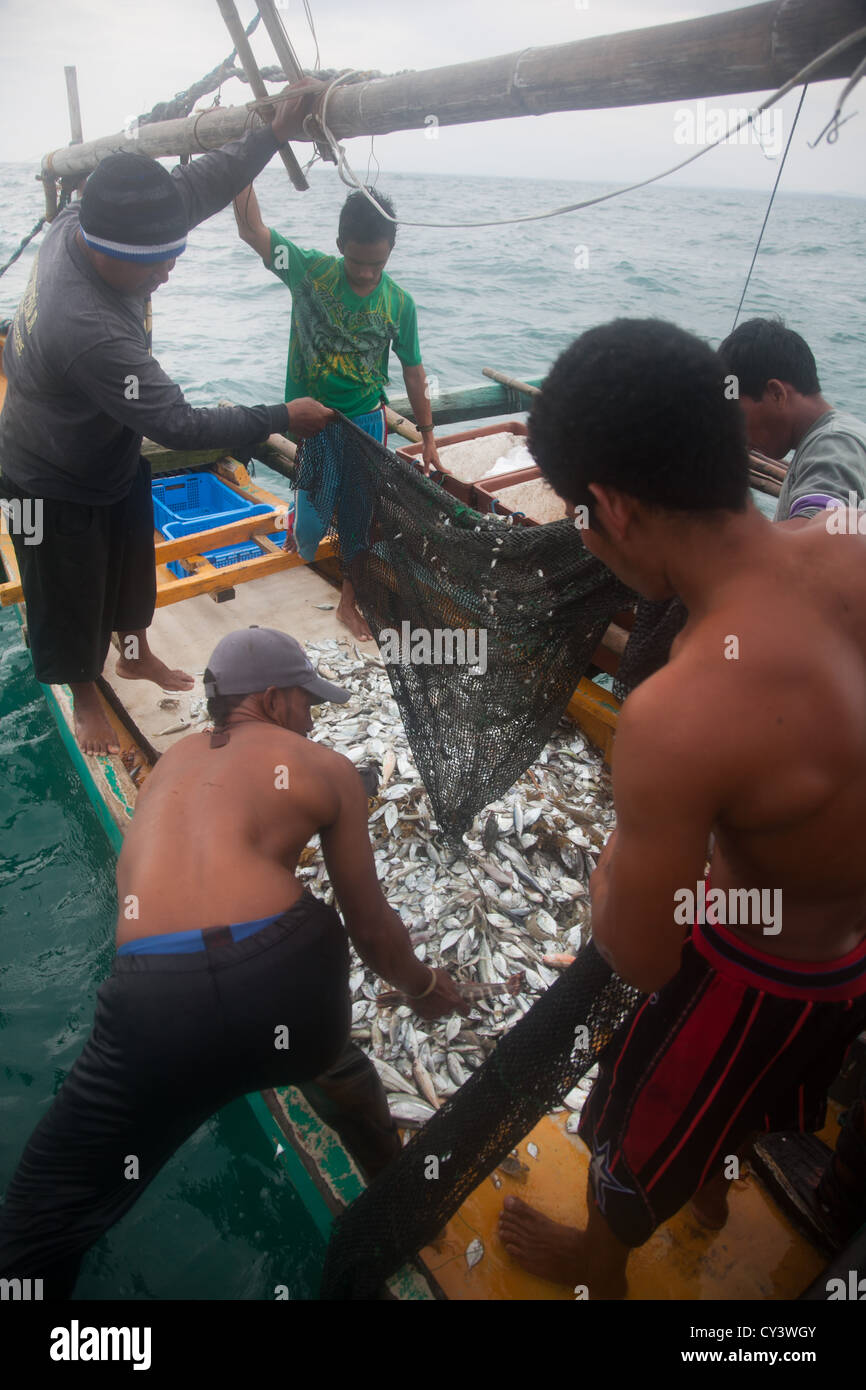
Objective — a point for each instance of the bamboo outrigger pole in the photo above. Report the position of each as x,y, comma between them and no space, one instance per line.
748,50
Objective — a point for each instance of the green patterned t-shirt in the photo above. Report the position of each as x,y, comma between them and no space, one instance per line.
339,341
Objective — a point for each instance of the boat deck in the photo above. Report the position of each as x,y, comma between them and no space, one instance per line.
758,1256
185,634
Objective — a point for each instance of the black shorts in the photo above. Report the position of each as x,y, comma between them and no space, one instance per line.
93,573
174,1038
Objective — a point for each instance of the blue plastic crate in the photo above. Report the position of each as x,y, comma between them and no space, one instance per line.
192,502
227,554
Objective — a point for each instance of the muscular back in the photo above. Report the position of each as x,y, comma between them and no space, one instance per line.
217,831
789,722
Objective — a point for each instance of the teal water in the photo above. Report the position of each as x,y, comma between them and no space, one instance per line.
221,1221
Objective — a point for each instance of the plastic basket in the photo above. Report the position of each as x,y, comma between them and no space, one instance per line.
194,502
227,555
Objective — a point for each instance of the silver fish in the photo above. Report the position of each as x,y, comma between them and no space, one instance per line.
474,1252
411,1112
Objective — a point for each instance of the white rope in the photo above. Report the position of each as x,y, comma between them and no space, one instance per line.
350,178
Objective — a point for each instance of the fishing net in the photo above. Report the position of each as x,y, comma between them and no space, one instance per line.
533,1067
530,604
656,624
422,563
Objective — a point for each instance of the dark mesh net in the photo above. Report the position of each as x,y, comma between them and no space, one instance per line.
655,627
421,561
533,1067
416,556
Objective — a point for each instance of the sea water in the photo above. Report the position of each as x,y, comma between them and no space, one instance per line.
221,1221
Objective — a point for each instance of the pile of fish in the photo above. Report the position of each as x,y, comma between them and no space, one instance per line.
489,911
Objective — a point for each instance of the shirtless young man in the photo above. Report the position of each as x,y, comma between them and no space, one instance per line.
194,1013
754,731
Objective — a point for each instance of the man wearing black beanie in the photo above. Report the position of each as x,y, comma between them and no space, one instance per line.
83,390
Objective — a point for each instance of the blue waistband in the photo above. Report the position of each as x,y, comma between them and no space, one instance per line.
181,942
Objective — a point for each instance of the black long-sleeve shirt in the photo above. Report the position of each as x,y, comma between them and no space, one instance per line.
83,388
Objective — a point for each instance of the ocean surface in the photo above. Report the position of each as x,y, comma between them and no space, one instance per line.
220,1221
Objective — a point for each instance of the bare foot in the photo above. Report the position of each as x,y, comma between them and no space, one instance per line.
94,733
552,1251
349,616
150,668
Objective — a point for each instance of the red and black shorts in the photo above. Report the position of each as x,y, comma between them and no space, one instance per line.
737,1041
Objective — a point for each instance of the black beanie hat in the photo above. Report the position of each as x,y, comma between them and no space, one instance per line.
131,208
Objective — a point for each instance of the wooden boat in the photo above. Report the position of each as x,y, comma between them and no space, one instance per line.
759,1255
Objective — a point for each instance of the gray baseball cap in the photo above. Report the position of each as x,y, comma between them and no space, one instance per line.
254,658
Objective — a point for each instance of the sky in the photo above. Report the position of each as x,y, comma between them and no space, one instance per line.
131,55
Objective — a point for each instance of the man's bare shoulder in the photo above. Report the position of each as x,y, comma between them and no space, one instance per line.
249,743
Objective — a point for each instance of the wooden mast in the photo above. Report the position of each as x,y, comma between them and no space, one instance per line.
747,50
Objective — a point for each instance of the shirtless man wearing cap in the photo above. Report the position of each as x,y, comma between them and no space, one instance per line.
229,976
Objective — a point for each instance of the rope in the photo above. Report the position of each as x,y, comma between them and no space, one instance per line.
770,206
22,245
350,178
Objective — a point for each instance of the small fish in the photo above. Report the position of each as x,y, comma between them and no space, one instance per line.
425,1083
326,607
559,960
410,1112
458,1073
392,815
513,1168
174,729
474,1252
490,833
389,762
532,1150
572,1124
452,1027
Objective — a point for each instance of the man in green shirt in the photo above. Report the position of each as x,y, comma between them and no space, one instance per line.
346,315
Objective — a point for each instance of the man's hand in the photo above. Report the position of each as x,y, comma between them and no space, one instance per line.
444,999
429,452
290,114
307,416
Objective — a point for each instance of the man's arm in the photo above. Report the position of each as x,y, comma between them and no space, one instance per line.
667,797
416,389
121,379
209,182
375,929
251,227
830,468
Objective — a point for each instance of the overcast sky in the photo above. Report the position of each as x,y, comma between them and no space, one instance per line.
129,55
